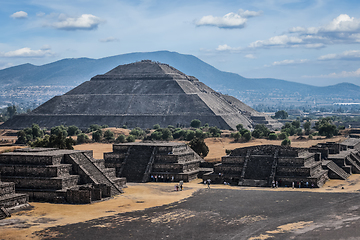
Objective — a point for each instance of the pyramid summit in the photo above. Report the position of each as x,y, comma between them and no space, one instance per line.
142,94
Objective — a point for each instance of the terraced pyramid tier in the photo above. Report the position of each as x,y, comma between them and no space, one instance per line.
142,94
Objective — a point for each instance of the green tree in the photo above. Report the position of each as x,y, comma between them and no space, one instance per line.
273,136
156,126
190,134
94,127
73,130
281,114
36,131
199,146
260,131
137,132
247,136
82,138
97,135
56,130
156,135
286,142
214,132
166,134
307,127
108,135
237,136
326,128
195,123
121,138
282,135
130,138
239,127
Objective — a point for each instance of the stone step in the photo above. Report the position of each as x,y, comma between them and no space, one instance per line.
35,170
42,182
4,213
93,172
334,170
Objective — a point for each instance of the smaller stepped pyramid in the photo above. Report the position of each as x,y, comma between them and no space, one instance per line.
9,200
154,161
142,94
63,176
264,164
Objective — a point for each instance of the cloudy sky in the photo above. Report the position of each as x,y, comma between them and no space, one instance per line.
309,41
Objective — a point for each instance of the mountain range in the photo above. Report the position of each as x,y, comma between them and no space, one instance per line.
28,83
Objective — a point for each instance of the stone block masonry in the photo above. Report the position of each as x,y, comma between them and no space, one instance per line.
64,176
141,162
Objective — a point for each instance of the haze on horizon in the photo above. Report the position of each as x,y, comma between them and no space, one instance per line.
315,42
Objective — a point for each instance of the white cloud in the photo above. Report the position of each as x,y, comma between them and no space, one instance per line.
342,29
251,56
27,52
109,39
225,47
277,41
347,55
19,15
287,61
343,74
248,14
84,22
230,20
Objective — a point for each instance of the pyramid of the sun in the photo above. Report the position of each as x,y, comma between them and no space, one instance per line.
142,94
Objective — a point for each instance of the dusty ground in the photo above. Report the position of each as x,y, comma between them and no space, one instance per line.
27,224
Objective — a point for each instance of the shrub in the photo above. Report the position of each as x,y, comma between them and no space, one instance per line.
239,127
82,138
94,127
97,135
121,138
73,130
156,126
282,135
157,135
195,123
56,130
286,142
247,136
137,132
108,135
273,136
237,136
260,131
190,134
214,132
199,146
104,126
130,138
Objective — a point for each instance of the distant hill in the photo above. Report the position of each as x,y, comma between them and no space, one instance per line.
64,74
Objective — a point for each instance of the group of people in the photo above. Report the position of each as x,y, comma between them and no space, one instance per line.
302,184
161,178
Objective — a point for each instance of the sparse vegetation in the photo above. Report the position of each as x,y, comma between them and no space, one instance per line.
199,146
195,123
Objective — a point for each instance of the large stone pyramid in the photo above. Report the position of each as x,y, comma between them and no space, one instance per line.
142,94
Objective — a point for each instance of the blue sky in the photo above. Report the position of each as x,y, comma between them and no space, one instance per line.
315,42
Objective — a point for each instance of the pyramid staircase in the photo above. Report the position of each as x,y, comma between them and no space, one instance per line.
334,170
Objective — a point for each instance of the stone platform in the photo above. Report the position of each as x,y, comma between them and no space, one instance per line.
55,175
141,162
9,200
